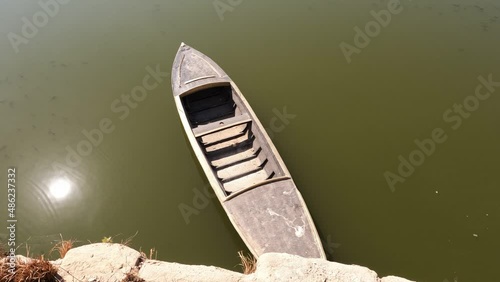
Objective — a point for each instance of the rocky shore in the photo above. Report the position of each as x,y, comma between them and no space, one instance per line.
106,262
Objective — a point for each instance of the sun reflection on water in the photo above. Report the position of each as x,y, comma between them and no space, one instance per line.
60,188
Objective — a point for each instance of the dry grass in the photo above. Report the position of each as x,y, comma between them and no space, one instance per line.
248,263
132,277
128,240
153,254
34,270
63,246
27,249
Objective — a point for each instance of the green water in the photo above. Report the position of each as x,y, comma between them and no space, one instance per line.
352,122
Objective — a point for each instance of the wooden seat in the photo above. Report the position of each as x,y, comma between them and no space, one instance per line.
220,125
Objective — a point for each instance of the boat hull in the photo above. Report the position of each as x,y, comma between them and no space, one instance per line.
273,219
241,163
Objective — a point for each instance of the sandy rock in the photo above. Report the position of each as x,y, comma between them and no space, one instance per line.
98,262
394,279
159,271
284,267
105,262
56,262
18,259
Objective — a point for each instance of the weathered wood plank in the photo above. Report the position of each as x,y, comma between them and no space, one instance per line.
220,125
278,222
246,180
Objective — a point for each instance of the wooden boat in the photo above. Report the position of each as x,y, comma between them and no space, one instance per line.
241,163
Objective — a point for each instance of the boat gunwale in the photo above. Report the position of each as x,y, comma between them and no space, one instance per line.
204,162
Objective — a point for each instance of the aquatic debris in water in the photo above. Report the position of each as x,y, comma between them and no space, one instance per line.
107,239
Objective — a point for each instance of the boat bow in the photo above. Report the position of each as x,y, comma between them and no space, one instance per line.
193,70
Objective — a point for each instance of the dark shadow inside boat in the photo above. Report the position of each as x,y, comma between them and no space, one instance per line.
209,105
224,131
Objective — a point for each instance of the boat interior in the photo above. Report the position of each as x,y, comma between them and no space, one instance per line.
233,145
